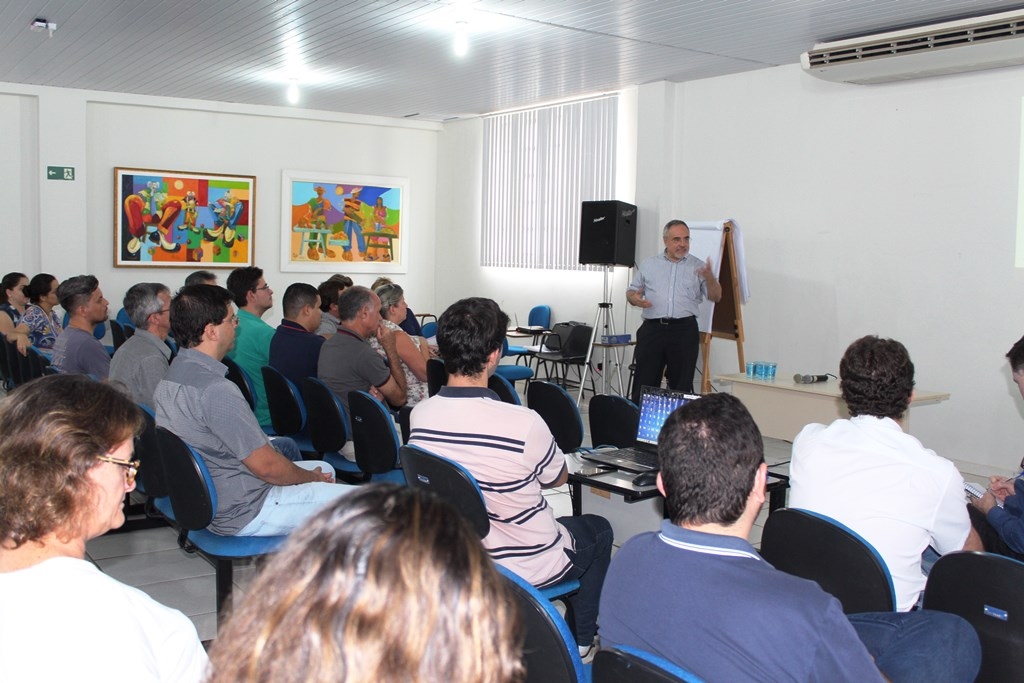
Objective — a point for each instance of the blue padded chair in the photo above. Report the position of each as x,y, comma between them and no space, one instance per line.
559,412
513,373
631,665
550,654
152,480
540,316
504,389
819,548
287,409
194,500
613,421
238,375
458,486
124,320
375,438
984,589
430,329
540,319
328,427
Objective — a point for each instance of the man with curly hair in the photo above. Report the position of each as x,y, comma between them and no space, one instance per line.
881,482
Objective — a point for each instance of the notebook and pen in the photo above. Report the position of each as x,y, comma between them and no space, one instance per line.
656,405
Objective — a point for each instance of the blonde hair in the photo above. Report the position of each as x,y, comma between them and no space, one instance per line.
385,584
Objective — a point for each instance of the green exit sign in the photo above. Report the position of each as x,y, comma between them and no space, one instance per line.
60,172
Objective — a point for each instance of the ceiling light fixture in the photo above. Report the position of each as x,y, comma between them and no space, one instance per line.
461,43
39,25
293,92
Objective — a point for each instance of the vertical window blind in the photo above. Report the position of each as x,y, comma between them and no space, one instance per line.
539,165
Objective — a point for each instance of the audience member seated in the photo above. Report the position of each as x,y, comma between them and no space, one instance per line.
295,346
411,323
66,465
260,492
867,473
998,516
329,291
142,361
254,297
413,351
387,584
201,277
40,325
699,595
13,301
349,363
513,456
77,351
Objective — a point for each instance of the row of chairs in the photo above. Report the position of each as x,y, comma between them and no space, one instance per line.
983,588
16,369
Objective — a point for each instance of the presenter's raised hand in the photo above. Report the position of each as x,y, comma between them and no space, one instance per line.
705,272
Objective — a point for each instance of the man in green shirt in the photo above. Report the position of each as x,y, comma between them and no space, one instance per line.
254,297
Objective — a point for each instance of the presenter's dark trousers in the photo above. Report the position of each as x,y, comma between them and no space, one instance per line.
666,346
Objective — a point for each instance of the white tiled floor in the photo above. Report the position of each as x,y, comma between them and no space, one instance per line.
151,560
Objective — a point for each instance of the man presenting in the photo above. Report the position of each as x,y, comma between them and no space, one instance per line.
884,484
260,492
511,453
669,287
699,595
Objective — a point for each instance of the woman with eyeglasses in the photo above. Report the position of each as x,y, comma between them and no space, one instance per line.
387,584
412,351
12,301
39,324
65,467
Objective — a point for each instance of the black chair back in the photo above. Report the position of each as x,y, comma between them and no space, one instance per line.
13,362
33,365
984,589
241,379
325,415
287,414
405,422
192,496
373,434
449,480
152,480
549,650
117,334
558,411
437,376
613,421
504,389
569,340
821,549
629,665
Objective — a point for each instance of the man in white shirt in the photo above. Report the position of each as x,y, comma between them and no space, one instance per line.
881,482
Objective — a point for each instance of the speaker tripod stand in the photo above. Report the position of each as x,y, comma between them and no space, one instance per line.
603,325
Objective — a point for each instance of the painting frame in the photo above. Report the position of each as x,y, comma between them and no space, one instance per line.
183,219
344,222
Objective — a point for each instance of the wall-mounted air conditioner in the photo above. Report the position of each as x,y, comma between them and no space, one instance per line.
951,47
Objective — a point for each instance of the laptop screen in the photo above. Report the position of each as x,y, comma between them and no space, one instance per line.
656,405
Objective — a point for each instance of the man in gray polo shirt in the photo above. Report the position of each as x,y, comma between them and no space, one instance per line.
260,492
141,362
77,351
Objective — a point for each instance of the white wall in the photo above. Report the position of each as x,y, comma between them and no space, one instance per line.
886,210
97,131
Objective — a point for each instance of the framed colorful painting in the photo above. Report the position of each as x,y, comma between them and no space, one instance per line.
354,224
172,218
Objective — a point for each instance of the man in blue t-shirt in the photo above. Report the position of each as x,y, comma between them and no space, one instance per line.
698,594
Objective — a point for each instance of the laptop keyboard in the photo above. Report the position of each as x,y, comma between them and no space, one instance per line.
638,456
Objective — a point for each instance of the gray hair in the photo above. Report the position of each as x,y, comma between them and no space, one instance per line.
352,301
142,300
671,224
390,294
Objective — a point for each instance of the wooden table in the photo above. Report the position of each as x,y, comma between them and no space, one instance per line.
782,407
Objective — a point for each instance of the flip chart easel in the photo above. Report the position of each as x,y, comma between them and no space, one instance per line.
726,321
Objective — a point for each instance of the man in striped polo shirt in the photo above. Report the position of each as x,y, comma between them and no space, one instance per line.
513,456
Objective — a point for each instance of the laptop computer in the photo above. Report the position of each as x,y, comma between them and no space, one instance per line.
656,405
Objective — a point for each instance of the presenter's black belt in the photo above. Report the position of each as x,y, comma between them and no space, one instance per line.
669,321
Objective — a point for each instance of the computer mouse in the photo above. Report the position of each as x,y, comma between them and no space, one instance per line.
646,478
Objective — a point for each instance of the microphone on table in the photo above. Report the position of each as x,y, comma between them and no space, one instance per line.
809,379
